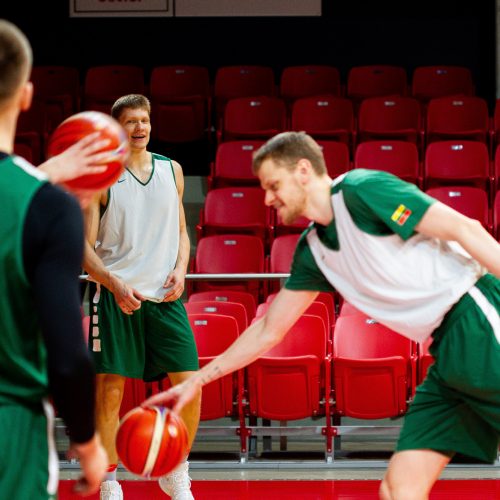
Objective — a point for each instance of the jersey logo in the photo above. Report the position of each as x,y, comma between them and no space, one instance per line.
400,215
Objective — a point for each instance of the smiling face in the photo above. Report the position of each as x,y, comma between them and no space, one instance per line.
137,124
284,190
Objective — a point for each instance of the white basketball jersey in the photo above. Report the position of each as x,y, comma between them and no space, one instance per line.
138,237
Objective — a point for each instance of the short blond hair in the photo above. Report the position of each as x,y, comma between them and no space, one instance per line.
130,101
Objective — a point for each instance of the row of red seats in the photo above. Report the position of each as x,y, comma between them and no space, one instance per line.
184,96
358,368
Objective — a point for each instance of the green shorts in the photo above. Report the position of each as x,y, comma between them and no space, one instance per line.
29,465
457,407
155,340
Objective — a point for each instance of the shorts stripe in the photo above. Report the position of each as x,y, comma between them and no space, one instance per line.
53,461
489,311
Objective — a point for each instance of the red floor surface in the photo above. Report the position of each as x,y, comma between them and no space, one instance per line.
486,489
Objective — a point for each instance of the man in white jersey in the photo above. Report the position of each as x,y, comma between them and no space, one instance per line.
411,263
138,251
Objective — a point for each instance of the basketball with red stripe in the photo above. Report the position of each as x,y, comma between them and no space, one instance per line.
82,124
151,441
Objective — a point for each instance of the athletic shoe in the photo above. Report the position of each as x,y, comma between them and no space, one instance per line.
177,484
111,490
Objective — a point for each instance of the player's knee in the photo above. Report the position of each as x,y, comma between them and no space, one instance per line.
111,398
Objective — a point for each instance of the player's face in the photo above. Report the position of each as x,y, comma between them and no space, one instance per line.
284,192
137,124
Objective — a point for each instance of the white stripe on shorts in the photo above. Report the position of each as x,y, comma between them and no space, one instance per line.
489,311
53,481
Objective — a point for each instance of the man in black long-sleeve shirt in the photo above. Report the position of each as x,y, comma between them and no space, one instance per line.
42,350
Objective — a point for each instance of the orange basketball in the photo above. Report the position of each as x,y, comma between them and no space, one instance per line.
78,126
151,441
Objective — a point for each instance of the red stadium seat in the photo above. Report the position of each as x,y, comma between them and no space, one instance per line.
397,157
233,309
374,369
429,82
496,216
233,164
181,103
230,254
244,298
336,156
257,118
33,130
104,84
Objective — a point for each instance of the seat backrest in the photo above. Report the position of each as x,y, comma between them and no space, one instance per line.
470,201
52,80
282,251
336,156
359,337
308,336
376,80
322,116
397,157
309,80
460,116
246,299
437,81
257,117
233,162
213,333
456,162
389,114
179,81
104,84
236,206
496,216
233,309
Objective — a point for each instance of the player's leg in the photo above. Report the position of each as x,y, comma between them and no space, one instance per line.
411,474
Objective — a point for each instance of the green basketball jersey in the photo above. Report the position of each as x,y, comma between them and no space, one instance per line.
23,372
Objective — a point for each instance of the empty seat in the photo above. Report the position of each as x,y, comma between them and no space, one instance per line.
235,209
470,201
309,80
374,369
325,118
336,156
230,254
281,256
244,298
32,130
241,81
233,164
58,87
291,380
429,82
181,103
376,80
252,118
496,216
397,157
457,163
23,150
104,84
233,309
395,117
457,118
213,334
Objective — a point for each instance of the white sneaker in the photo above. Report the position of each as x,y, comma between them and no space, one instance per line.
177,484
111,490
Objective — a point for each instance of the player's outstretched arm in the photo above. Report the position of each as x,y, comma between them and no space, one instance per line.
82,158
258,338
441,221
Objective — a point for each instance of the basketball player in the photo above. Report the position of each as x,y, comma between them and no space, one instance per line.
138,253
411,263
42,351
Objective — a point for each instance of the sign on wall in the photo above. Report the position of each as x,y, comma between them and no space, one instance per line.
193,8
120,8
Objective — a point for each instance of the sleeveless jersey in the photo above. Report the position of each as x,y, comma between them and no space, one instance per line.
138,237
371,254
23,367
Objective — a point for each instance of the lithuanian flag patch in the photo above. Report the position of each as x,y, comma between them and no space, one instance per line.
400,215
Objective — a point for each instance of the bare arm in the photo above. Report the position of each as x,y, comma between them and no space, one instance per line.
441,221
176,279
258,338
126,297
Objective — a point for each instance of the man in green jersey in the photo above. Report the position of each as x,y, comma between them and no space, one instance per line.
42,349
439,284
